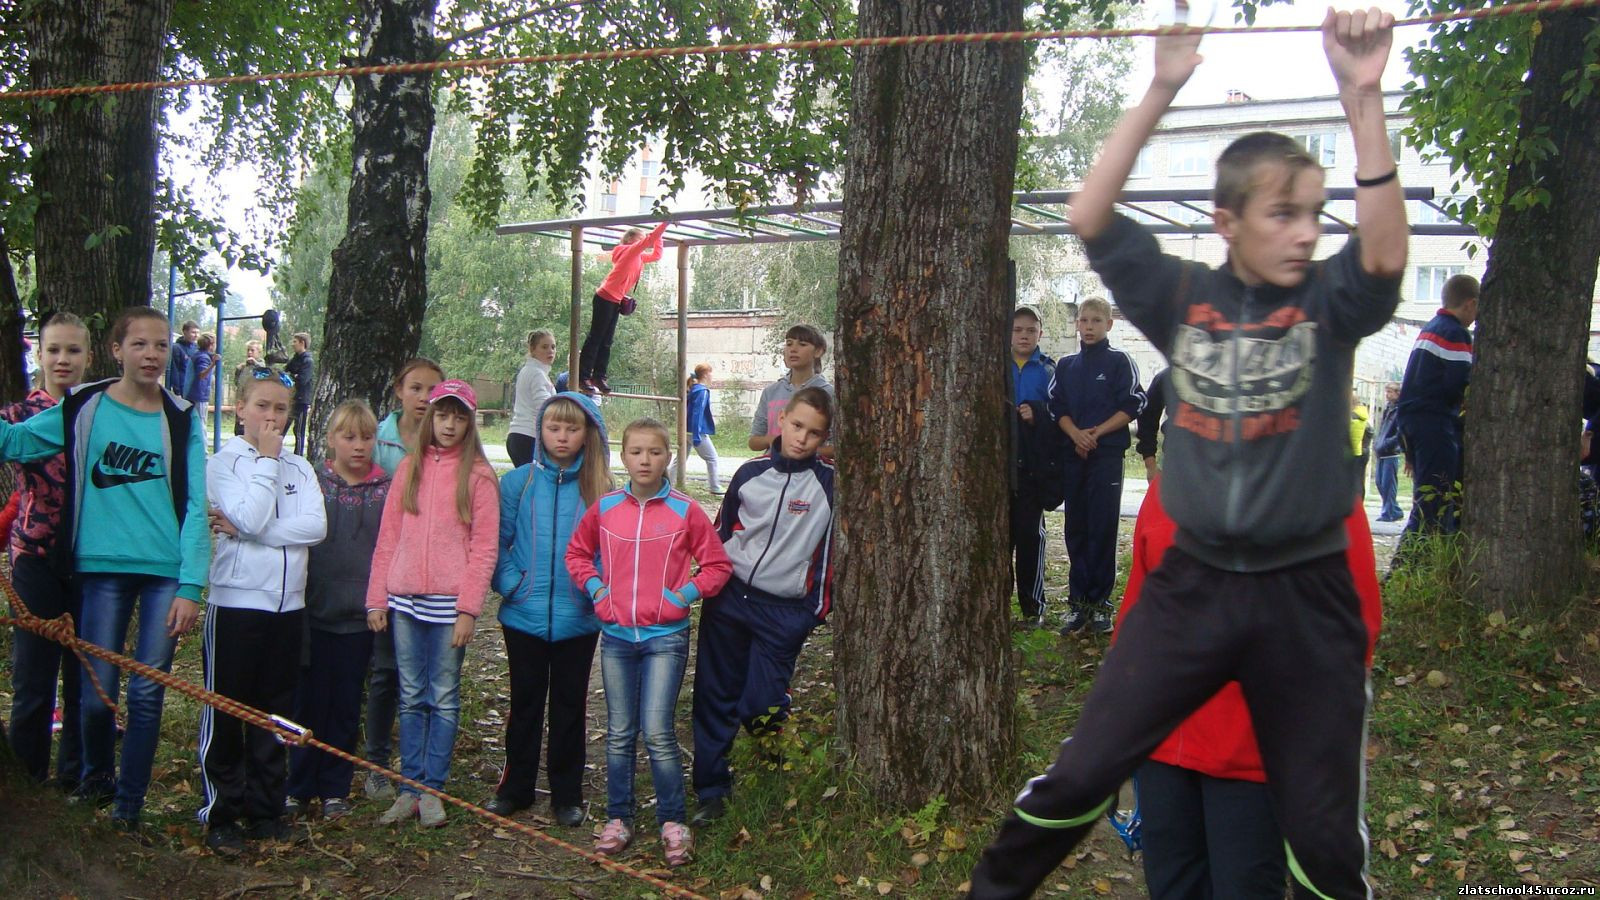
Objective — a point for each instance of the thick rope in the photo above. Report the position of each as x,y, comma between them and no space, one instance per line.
1530,7
62,631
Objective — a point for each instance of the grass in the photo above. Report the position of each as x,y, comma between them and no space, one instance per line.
1484,767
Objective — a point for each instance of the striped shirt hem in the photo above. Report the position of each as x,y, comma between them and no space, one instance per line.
434,609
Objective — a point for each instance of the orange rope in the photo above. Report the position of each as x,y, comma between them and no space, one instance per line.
1530,7
61,630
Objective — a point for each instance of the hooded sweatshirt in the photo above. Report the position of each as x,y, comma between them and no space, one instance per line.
432,552
627,264
1258,475
276,505
540,504
336,588
390,449
638,550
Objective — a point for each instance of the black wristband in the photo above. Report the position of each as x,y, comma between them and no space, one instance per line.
1381,179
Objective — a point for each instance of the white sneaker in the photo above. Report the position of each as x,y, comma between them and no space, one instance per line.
431,810
405,806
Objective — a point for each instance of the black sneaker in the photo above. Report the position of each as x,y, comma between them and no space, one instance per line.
569,816
709,810
97,792
600,383
500,806
1102,619
124,825
1077,619
225,840
278,830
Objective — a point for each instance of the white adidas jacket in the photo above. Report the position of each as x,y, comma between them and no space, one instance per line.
277,506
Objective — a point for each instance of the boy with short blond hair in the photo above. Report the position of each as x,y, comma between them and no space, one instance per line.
1094,395
1256,587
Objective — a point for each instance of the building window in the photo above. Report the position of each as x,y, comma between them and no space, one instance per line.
1188,158
1425,214
1396,143
1141,163
647,202
1430,282
1321,147
608,202
649,168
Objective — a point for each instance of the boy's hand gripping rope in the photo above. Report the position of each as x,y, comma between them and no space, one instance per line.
62,631
1530,7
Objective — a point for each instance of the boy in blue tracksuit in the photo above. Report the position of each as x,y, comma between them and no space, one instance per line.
1429,411
1032,434
1094,395
776,525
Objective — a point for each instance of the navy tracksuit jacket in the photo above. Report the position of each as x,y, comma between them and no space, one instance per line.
1090,386
1429,416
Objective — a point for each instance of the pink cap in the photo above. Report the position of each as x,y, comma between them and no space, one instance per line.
458,389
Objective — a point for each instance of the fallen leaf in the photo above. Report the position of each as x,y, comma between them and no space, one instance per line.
1437,679
884,888
919,859
830,792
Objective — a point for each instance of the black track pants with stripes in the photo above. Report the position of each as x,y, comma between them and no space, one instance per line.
1294,640
253,657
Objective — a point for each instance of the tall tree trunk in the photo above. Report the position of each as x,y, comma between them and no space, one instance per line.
924,673
94,167
1521,497
13,377
378,289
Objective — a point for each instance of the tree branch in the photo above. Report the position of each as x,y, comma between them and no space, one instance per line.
444,44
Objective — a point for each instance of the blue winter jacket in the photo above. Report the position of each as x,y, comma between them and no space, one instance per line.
701,422
540,504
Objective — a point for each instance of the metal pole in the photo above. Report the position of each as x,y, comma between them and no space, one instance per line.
575,320
683,364
216,387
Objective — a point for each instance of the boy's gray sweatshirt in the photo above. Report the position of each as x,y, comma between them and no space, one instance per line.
1258,473
775,396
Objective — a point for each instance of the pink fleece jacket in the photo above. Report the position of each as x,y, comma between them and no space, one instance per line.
627,264
432,551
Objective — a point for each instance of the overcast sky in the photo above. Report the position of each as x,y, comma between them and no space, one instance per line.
1265,66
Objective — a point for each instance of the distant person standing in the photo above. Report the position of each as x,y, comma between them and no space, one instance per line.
299,368
1386,474
1429,412
528,396
180,365
702,424
242,373
627,263
200,382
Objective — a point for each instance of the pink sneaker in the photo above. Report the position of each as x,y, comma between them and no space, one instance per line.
678,843
614,838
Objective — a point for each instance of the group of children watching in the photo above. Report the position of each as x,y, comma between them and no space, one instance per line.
373,569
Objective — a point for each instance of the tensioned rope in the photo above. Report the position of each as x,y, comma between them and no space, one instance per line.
61,630
1529,7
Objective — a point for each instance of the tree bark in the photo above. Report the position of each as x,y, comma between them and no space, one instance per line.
926,688
378,288
13,376
94,167
1520,511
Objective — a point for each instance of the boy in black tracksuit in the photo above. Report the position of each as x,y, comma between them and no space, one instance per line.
1258,479
776,524
1094,395
1036,460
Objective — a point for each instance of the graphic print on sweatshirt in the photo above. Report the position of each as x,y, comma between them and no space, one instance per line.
1258,371
120,464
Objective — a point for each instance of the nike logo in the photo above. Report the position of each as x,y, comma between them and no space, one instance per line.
120,465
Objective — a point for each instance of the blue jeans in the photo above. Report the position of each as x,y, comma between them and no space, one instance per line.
1386,475
642,682
430,698
108,607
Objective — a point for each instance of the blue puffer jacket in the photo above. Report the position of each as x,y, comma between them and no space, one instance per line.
540,504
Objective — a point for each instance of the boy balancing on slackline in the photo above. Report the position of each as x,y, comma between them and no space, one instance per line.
1256,587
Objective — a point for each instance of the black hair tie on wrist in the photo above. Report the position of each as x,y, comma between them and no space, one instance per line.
1381,179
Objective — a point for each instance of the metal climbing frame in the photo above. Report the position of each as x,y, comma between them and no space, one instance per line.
1035,213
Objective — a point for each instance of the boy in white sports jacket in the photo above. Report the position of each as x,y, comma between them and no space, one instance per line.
776,525
266,512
